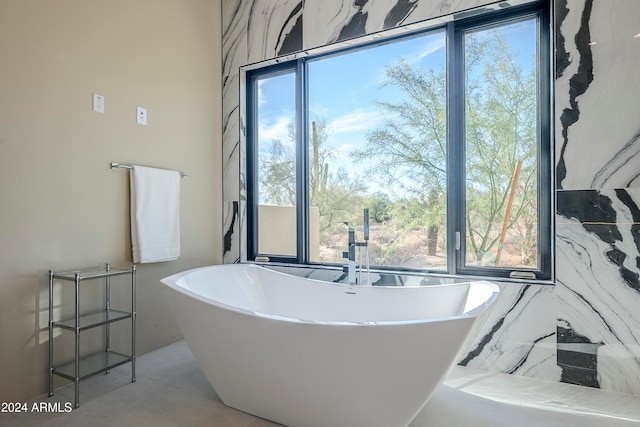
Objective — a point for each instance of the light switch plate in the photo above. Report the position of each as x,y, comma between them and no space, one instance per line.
98,103
141,115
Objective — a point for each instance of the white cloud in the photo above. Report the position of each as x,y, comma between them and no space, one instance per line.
358,121
432,47
277,129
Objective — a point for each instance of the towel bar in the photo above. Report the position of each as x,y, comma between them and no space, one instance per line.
115,165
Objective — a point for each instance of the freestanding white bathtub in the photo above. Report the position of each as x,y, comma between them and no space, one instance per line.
302,352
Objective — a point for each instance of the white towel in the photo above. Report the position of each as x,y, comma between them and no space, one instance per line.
155,214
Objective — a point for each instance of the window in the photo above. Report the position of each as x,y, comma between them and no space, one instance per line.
276,166
442,134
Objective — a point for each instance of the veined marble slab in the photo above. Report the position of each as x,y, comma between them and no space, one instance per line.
231,157
235,16
348,19
231,136
597,258
518,335
274,28
231,229
597,82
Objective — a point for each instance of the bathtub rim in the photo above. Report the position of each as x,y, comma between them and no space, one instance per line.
457,278
172,283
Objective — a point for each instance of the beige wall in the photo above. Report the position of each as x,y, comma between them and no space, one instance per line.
278,234
60,204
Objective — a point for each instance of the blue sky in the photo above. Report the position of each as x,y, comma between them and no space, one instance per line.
343,90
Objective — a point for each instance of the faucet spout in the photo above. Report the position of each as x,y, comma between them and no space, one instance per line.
350,254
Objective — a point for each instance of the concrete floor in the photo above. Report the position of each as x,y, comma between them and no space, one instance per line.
172,391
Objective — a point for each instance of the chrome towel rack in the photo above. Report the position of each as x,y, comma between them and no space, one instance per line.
115,165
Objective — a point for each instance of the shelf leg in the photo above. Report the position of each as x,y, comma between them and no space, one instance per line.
77,393
133,324
77,332
50,333
108,307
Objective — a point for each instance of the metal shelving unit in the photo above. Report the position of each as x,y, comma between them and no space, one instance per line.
102,361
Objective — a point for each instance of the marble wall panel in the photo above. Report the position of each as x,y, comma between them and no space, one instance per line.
231,228
426,9
231,133
518,335
597,82
274,29
598,289
231,167
349,19
235,16
597,235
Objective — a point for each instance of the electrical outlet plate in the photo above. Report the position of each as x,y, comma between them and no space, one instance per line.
141,115
98,103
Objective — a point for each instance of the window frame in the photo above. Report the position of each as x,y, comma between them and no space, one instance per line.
456,124
252,153
455,210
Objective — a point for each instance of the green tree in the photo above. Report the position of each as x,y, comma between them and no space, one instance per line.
380,205
277,174
409,150
333,193
500,114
